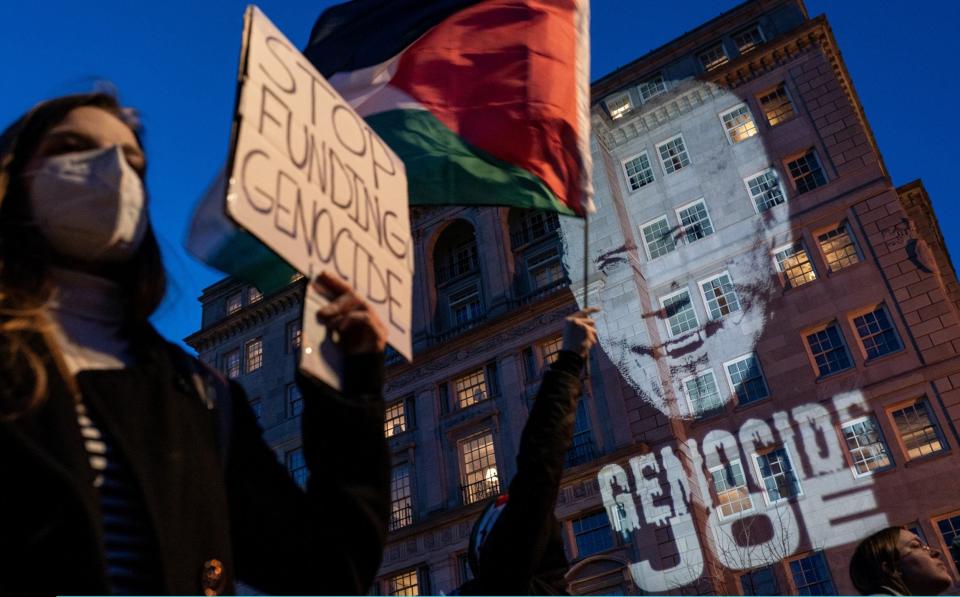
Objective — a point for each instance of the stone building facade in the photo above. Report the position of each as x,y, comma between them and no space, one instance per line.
777,375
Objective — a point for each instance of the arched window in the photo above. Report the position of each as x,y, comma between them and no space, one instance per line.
457,269
537,250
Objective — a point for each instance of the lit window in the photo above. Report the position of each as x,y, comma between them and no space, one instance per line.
254,295
949,528
765,190
639,171
294,400
294,336
256,405
811,576
681,316
297,466
592,534
695,221
254,350
652,87
746,379
471,389
795,266
713,57
776,105
806,172
733,496
405,583
673,154
479,469
658,238
401,503
759,582
394,420
545,268
748,39
619,105
703,393
231,363
828,350
918,429
550,348
838,248
738,124
776,471
867,448
877,334
465,304
234,302
720,296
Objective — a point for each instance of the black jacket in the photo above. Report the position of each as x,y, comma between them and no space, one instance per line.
242,519
523,554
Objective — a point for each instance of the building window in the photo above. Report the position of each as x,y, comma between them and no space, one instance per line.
877,334
405,583
865,443
254,351
679,311
828,350
746,379
545,268
652,87
811,576
806,172
479,466
695,221
231,363
234,302
713,57
765,190
918,429
776,471
256,405
592,534
703,393
463,565
673,154
639,171
839,248
297,466
738,124
949,528
550,348
733,496
619,105
294,400
761,581
465,304
748,39
471,389
401,502
530,225
776,105
294,336
720,296
461,260
794,265
582,448
254,295
394,420
658,238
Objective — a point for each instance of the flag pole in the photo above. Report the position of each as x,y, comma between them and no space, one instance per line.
586,284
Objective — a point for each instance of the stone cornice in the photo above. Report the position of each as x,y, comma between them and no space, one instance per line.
252,315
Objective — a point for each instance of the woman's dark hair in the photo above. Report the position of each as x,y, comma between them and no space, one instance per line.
876,563
24,256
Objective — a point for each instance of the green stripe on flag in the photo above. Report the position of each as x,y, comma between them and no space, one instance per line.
443,169
246,258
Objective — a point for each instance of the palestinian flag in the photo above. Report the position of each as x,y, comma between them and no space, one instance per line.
486,102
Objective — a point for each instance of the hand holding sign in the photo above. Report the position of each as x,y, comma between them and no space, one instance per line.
358,330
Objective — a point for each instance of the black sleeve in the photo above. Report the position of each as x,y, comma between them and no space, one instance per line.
516,545
329,539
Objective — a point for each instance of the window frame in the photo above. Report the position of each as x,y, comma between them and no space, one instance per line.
406,519
648,81
228,302
401,405
666,318
732,386
247,346
853,315
883,441
683,228
795,558
697,413
294,472
932,416
294,336
813,358
746,485
755,457
785,281
748,29
293,400
602,513
789,96
451,305
728,132
643,236
226,362
462,466
714,64
944,548
620,111
845,224
706,301
753,198
806,154
623,164
484,384
400,591
686,153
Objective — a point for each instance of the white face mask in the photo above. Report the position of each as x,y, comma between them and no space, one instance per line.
90,205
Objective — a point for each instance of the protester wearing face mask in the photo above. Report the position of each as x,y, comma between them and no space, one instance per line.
128,467
894,561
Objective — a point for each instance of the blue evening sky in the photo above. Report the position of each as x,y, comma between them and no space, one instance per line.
175,61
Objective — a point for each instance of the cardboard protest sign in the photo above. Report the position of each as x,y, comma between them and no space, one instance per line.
313,182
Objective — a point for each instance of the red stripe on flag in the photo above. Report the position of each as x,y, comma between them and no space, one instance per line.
502,75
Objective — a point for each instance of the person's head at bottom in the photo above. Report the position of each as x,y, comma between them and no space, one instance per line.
896,561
